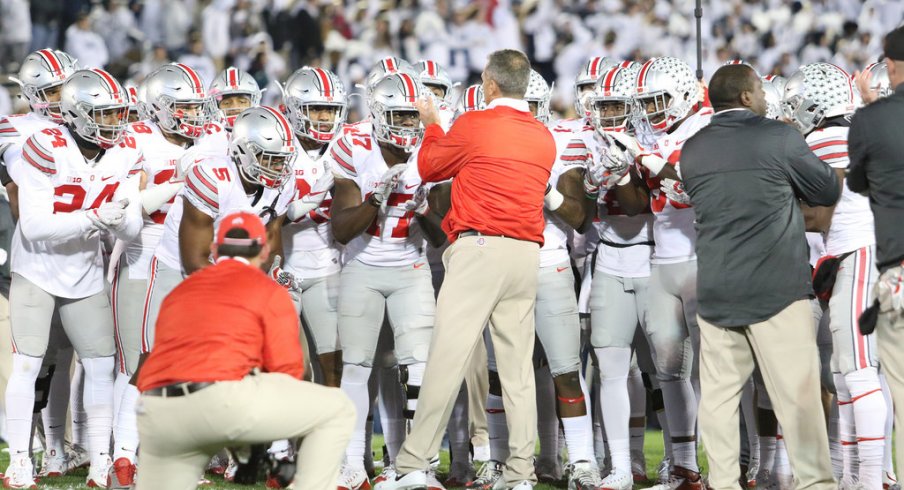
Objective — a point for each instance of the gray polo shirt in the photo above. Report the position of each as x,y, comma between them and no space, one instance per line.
745,176
876,150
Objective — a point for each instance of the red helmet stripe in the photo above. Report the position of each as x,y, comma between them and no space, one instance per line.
769,78
51,59
610,80
195,79
625,64
389,64
325,82
232,75
283,121
642,76
110,81
472,98
595,67
431,68
410,90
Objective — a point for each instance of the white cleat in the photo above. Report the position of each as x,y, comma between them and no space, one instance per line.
53,464
487,476
99,474
388,473
617,481
352,479
432,482
19,474
584,475
664,471
76,457
416,480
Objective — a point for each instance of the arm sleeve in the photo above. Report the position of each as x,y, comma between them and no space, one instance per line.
813,181
36,200
856,171
442,155
339,159
575,155
282,349
201,190
134,219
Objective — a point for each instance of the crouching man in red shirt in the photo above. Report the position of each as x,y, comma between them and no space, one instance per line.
201,389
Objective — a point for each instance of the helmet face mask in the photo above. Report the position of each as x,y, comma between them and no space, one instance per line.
231,105
176,100
95,107
238,89
395,117
316,104
41,78
654,107
401,128
586,82
665,93
263,147
612,114
612,103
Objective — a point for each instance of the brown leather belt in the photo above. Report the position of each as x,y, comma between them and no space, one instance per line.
177,389
468,233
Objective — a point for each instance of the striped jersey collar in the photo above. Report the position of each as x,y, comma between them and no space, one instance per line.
517,104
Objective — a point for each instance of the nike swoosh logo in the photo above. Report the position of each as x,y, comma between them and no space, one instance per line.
418,266
106,178
560,269
412,186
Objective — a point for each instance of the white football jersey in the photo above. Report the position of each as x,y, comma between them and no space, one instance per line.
214,187
56,183
161,159
394,238
14,130
556,233
625,240
852,222
308,242
673,223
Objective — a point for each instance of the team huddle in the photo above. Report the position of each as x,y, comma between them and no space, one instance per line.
118,192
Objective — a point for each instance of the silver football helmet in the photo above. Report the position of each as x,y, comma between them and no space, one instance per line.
538,93
434,75
586,79
309,88
392,107
263,146
177,101
816,92
233,81
878,78
472,99
612,101
665,91
774,86
95,106
42,72
386,66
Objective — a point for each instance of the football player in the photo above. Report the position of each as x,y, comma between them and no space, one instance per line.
81,181
234,90
584,85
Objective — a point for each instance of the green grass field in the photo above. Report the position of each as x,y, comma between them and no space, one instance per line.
653,447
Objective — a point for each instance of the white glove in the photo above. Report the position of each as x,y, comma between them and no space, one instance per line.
654,163
109,215
312,200
283,278
418,203
674,191
611,170
890,291
388,183
627,141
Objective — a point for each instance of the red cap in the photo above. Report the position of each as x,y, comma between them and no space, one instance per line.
242,220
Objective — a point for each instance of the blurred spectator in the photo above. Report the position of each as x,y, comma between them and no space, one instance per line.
44,23
156,58
215,30
86,45
117,25
197,59
15,33
178,18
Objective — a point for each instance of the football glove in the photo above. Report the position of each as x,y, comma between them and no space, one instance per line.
109,215
312,200
387,183
284,278
418,203
674,191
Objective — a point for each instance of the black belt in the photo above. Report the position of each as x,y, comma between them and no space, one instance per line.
177,389
468,233
625,245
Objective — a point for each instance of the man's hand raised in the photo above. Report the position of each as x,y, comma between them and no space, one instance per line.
427,110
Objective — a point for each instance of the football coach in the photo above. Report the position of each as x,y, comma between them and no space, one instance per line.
499,159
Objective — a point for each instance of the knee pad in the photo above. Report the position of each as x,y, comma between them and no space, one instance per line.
614,362
863,382
98,381
356,374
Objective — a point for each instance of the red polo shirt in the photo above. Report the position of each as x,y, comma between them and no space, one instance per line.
219,324
500,160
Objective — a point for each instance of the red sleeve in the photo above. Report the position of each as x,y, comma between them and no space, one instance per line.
443,154
282,347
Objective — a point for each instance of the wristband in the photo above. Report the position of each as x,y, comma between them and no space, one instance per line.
553,199
624,180
653,163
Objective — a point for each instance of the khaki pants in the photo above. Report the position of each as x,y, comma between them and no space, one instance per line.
179,435
890,337
478,383
784,348
487,279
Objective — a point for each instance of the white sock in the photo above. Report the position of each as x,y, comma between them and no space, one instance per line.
599,443
888,463
615,362
77,407
125,431
767,454
637,395
391,403
497,428
578,431
354,385
98,398
782,465
20,401
847,434
54,414
547,420
835,450
870,413
681,410
120,381
457,429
